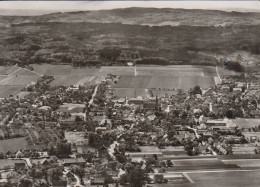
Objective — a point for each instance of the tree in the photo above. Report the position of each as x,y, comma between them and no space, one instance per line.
196,90
25,182
229,114
129,167
138,177
79,171
63,149
54,174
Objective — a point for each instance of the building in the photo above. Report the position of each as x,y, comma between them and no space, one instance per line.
60,183
73,161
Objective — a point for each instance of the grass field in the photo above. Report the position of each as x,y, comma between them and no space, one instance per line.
225,179
58,70
244,163
130,92
117,70
12,145
161,79
246,122
13,79
22,80
6,91
76,80
168,82
133,82
165,79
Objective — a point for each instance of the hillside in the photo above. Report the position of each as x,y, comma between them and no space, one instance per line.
89,37
148,16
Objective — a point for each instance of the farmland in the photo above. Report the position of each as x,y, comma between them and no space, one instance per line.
227,178
142,80
166,79
247,123
12,145
13,79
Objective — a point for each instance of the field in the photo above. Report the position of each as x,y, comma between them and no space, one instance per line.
13,79
225,178
165,79
64,70
244,162
246,123
133,81
6,91
130,92
12,145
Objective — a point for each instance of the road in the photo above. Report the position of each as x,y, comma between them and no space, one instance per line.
93,96
195,131
78,180
218,74
76,177
111,149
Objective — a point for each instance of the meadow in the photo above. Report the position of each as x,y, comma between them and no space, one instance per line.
14,78
165,79
142,80
13,145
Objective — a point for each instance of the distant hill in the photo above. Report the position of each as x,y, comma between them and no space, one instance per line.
178,35
151,16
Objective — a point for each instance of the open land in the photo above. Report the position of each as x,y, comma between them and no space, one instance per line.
14,144
132,83
14,78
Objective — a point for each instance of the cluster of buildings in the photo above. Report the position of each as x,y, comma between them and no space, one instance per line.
91,138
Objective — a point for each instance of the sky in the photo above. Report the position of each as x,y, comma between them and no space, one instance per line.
32,7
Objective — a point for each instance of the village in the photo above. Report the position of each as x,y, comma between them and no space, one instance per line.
86,136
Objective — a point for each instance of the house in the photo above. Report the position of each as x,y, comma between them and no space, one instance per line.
10,164
60,183
137,101
73,161
149,105
19,166
221,124
97,181
130,63
158,178
252,137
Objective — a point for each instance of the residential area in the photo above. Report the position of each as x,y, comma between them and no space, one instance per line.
87,136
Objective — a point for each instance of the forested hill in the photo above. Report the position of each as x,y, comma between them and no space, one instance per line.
148,16
177,35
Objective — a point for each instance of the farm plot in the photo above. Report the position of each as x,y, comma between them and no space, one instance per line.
246,122
90,80
25,72
169,71
2,77
133,82
7,90
49,69
85,71
164,82
244,163
197,162
12,145
130,92
21,80
191,81
75,80
8,70
65,80
225,178
117,70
